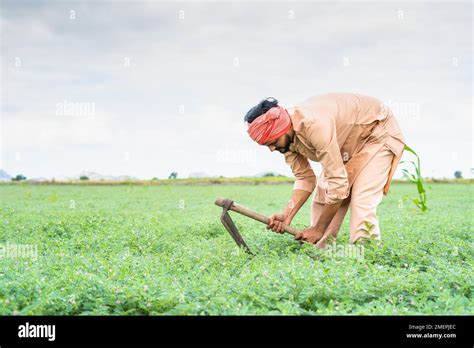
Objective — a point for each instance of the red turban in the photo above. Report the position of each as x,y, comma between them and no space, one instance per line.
270,125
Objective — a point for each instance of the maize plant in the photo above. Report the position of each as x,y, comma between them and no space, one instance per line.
416,177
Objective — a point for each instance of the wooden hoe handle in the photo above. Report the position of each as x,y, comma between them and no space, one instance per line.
253,215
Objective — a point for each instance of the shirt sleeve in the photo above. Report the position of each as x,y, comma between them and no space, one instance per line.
304,174
322,135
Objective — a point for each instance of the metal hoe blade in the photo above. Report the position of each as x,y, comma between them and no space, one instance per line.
230,226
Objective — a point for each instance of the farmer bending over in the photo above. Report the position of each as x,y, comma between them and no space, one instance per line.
359,144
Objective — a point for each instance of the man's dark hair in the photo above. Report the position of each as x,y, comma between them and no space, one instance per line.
260,109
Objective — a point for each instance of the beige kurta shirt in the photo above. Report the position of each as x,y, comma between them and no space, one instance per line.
343,132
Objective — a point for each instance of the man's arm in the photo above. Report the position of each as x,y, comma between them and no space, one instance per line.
296,201
323,137
304,185
298,198
316,232
327,214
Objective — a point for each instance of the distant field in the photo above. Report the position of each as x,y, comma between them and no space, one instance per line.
208,181
139,250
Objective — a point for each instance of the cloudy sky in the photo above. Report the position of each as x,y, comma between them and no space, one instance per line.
149,87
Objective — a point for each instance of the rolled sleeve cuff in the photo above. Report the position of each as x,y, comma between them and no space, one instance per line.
305,185
335,197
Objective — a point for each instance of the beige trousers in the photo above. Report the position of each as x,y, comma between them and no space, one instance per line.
366,194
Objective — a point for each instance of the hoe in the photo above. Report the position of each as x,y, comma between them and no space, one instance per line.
229,225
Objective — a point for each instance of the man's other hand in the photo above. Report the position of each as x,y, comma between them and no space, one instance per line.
310,235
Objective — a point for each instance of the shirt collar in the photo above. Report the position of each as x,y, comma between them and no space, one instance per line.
296,122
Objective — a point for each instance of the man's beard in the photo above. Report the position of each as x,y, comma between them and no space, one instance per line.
285,148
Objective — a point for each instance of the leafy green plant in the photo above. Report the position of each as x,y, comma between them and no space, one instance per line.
416,177
133,250
368,230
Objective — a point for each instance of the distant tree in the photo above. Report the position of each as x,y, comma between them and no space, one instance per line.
173,175
458,174
154,178
83,178
269,174
19,177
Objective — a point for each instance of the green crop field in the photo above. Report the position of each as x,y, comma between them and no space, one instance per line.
151,250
